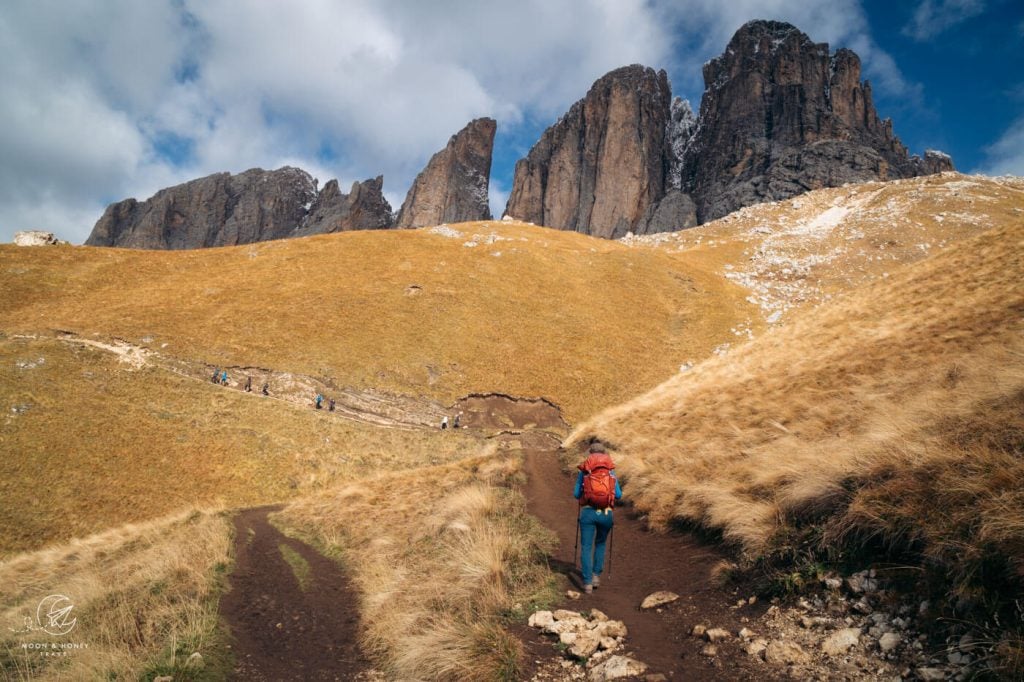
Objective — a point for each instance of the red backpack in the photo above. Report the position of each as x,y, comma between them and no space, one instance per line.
598,483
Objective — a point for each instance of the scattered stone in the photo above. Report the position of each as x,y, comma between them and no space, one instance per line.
785,653
841,641
862,582
195,662
616,668
745,633
889,641
752,600
709,650
931,673
584,645
573,594
698,630
656,677
862,606
609,643
717,634
541,619
163,678
756,648
658,599
598,615
611,628
565,614
810,622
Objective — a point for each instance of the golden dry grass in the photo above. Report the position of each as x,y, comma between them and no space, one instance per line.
526,311
439,557
92,443
145,598
781,423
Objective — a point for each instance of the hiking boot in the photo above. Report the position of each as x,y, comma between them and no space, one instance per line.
588,588
597,581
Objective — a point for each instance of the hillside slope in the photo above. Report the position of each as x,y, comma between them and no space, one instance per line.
888,420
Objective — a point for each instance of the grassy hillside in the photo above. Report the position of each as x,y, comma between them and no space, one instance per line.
443,313
889,420
91,442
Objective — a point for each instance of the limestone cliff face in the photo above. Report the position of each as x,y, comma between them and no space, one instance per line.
781,115
363,208
605,163
453,187
218,210
225,209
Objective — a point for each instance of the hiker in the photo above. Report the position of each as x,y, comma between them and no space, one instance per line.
319,401
330,404
266,388
597,489
248,384
216,375
455,424
444,422
224,377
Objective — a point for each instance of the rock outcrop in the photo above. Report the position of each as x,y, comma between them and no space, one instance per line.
453,187
780,115
602,168
218,210
36,238
224,210
363,208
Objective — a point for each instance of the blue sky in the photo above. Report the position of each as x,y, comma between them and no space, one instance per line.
106,99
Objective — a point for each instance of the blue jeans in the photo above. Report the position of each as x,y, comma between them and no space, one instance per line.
594,529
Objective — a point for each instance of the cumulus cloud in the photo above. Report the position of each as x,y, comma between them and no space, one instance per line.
1006,155
102,101
933,17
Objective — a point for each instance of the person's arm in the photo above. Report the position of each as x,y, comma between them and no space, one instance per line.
579,486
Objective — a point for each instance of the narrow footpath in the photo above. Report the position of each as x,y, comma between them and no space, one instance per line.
643,562
291,611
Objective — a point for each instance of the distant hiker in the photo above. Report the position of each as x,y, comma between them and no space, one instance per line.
319,401
266,388
330,404
224,377
216,375
444,422
597,489
455,424
248,384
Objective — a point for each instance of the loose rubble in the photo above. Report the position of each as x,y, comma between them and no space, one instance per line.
592,640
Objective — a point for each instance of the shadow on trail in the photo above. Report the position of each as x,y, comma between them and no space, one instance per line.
291,611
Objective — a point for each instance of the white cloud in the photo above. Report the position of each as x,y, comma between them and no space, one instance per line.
92,93
933,17
1006,155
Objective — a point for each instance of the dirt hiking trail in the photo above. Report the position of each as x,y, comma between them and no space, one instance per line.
642,562
281,628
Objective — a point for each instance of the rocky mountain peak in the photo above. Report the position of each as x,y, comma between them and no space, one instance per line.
453,187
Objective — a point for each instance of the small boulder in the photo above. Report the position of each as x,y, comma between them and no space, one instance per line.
598,615
756,648
609,644
709,650
35,238
572,594
931,673
541,619
717,634
785,653
610,628
745,633
657,599
565,614
841,641
889,641
617,668
163,678
698,630
585,644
